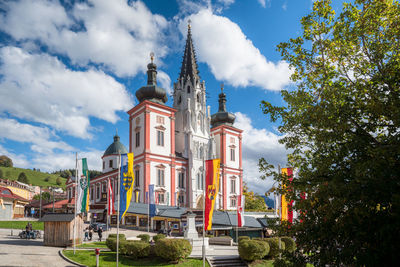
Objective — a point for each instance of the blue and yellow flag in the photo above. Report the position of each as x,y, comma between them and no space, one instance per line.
126,183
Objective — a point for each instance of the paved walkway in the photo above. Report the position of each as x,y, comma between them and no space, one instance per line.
21,252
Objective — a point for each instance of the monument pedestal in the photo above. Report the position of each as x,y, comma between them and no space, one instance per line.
191,234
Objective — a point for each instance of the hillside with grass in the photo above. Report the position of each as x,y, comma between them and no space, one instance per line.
34,177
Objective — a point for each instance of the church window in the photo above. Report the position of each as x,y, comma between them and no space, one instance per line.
160,177
181,180
232,154
160,138
161,197
179,99
103,186
188,89
200,181
104,165
233,202
137,139
110,163
91,193
198,98
137,177
233,185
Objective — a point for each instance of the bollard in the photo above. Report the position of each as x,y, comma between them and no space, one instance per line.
97,251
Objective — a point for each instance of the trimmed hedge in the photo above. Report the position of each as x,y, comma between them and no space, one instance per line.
144,237
250,250
121,236
135,249
173,249
244,237
273,243
158,237
111,243
290,245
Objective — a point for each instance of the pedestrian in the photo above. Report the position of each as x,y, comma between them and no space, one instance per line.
100,233
86,234
90,233
28,233
169,231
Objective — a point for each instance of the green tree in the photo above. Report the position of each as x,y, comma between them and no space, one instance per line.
253,202
342,123
5,161
46,196
23,178
58,181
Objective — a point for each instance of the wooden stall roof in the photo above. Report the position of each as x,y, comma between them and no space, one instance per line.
60,217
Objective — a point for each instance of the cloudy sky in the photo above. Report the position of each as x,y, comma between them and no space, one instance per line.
69,71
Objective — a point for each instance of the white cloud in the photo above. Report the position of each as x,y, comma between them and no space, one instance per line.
258,143
165,81
115,34
39,137
231,56
39,87
262,3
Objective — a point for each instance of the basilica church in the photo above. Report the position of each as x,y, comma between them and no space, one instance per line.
170,144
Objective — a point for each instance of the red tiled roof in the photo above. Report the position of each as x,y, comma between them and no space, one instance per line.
59,204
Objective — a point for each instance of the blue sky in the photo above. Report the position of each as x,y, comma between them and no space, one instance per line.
69,71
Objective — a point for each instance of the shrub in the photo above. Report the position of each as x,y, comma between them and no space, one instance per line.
111,243
250,250
144,237
58,181
23,178
242,238
274,246
47,179
173,249
136,249
290,245
158,237
121,236
122,247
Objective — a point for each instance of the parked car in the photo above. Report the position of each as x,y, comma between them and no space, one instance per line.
96,226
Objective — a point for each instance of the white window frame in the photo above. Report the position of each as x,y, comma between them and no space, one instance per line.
160,177
160,138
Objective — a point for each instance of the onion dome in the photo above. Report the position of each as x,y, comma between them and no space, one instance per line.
115,148
151,91
222,117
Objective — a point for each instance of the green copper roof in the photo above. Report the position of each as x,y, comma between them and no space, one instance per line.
115,148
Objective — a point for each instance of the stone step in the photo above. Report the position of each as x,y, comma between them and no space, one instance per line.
226,261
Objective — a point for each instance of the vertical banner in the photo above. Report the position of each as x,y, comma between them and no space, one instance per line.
152,202
212,186
126,183
240,211
286,206
110,208
84,183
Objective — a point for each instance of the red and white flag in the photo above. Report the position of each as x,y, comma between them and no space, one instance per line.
110,201
240,211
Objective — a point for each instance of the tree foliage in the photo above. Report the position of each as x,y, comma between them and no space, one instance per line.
5,161
46,196
23,178
253,202
342,123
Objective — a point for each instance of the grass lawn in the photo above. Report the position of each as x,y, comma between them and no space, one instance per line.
93,245
21,225
262,263
34,177
108,259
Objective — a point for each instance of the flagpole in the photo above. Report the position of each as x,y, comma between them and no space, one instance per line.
76,195
204,205
148,208
119,196
280,212
237,215
108,202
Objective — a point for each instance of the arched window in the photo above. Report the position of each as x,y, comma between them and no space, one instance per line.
198,98
200,180
188,89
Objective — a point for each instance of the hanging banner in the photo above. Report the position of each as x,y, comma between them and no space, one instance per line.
212,186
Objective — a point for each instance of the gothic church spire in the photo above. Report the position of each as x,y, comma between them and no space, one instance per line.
189,63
